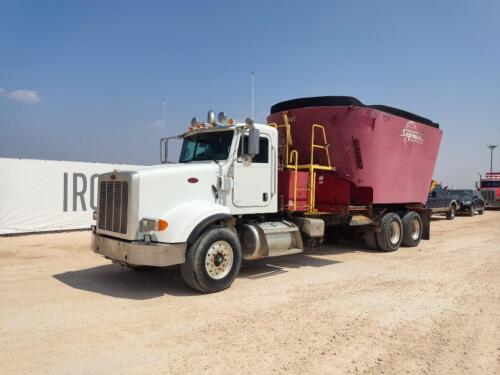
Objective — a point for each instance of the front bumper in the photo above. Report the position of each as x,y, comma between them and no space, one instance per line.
490,204
139,253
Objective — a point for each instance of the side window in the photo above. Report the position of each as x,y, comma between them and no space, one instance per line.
263,156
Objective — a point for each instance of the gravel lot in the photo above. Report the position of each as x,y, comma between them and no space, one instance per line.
432,309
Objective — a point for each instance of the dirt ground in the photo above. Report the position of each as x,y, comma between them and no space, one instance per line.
343,309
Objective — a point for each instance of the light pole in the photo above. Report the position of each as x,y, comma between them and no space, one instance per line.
491,147
163,124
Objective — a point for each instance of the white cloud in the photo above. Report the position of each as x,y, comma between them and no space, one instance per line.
158,124
23,96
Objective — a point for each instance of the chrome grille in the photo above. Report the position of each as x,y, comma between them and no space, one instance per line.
113,206
488,195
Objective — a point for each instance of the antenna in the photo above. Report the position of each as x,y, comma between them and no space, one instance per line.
491,147
253,93
163,124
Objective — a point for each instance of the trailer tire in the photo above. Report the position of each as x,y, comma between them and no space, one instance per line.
371,240
391,234
412,229
450,214
212,261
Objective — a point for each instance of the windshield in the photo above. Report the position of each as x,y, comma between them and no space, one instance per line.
206,146
463,194
490,184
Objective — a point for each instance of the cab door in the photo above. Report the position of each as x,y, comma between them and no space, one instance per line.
253,180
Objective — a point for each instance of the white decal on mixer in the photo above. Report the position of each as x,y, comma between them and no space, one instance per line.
411,134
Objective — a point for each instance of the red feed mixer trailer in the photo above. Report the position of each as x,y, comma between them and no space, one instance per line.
362,168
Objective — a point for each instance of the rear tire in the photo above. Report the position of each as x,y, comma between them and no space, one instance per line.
412,229
213,261
391,234
450,215
371,240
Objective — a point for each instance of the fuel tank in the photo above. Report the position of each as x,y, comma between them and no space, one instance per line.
387,155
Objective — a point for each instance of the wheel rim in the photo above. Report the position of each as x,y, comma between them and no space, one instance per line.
452,212
415,229
394,232
219,260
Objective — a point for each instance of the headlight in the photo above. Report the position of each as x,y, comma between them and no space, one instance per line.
153,225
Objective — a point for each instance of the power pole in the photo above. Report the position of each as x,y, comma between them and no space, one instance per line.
491,147
163,124
253,102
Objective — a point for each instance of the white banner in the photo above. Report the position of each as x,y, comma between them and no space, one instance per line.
46,195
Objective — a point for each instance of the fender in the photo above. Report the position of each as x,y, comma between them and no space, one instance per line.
204,224
187,221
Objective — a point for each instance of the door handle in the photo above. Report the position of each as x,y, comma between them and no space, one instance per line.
264,197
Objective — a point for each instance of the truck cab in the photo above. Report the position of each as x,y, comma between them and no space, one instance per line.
490,189
226,173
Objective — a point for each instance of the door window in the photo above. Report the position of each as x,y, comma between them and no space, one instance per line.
262,157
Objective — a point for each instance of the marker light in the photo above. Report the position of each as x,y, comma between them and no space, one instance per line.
153,225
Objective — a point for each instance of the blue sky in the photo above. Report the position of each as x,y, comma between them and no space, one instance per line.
85,80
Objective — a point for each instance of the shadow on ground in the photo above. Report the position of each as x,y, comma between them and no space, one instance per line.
117,281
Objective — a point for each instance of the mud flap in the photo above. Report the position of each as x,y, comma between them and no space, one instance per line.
426,224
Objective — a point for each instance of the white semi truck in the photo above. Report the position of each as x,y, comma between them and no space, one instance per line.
187,213
247,191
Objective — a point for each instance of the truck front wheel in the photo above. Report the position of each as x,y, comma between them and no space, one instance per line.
412,229
212,261
390,236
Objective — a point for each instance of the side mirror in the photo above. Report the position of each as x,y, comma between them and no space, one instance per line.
253,142
164,149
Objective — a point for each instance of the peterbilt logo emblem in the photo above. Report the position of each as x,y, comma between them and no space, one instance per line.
411,134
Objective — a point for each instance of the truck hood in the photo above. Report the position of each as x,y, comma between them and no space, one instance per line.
156,191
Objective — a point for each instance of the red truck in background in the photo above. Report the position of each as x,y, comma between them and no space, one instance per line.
490,189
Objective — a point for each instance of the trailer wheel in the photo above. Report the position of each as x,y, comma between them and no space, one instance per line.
412,229
450,215
391,234
371,240
213,261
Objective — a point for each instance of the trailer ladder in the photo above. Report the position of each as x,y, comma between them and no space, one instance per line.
292,162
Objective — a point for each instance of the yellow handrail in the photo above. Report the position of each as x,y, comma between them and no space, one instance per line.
288,135
324,146
292,161
294,158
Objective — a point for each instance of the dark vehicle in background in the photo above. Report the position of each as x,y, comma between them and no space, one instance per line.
440,201
469,201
